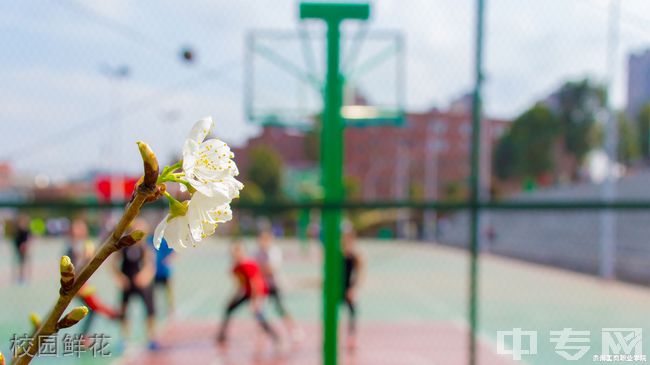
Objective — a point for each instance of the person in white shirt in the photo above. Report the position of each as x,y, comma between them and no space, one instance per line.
269,259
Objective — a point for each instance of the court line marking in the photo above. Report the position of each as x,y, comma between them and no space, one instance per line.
190,306
483,339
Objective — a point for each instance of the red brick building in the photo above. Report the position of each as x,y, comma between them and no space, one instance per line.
289,143
389,162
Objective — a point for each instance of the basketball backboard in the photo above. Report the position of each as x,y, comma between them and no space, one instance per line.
285,77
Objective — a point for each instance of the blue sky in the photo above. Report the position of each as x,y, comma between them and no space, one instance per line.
56,103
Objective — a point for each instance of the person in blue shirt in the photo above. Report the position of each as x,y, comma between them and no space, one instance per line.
163,277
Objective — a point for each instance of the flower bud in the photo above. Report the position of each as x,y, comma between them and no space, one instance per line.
130,239
150,166
67,273
35,319
74,316
2,359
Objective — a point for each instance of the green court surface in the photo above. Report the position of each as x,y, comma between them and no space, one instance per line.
412,306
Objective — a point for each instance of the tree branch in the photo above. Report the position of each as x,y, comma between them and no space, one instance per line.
146,190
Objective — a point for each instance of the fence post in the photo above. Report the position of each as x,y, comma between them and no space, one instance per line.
474,183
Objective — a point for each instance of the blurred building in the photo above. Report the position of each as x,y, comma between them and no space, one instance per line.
638,82
289,143
63,191
13,187
6,173
428,157
91,187
8,191
431,150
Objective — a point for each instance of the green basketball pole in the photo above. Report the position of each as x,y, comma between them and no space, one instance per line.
332,162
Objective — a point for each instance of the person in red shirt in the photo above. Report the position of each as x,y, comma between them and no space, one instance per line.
250,287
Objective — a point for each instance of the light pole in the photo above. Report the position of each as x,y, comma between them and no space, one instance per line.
607,218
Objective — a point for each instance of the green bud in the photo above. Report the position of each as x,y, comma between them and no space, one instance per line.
150,166
131,238
137,235
67,273
74,316
78,313
66,264
35,319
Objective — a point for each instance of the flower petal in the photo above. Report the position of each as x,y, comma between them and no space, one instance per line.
177,233
201,129
221,214
159,232
198,218
190,154
225,190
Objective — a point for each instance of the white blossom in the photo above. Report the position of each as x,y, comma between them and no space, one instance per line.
208,164
209,169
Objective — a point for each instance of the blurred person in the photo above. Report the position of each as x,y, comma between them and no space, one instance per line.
81,250
6,229
352,274
78,243
22,240
277,230
134,269
491,235
163,276
269,260
250,287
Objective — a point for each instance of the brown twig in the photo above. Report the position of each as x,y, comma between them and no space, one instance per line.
116,241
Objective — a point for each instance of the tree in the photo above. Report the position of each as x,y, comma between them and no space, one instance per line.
643,123
265,170
455,191
526,150
251,194
351,187
628,143
577,104
504,158
566,120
